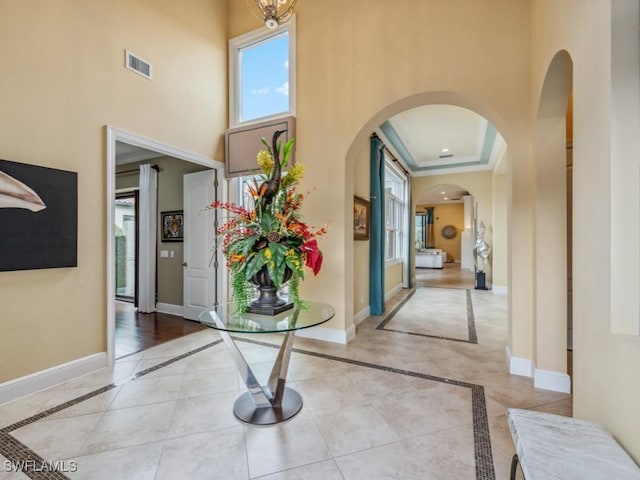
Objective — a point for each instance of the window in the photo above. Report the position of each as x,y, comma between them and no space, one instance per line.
245,199
262,75
395,212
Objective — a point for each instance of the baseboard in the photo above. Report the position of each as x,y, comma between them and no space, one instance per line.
328,334
35,382
391,293
362,315
519,366
499,289
555,381
170,309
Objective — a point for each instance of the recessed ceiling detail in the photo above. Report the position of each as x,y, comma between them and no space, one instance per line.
435,139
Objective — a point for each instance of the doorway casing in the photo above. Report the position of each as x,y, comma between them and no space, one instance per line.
117,135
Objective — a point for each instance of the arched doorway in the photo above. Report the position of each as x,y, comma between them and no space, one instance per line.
357,161
553,166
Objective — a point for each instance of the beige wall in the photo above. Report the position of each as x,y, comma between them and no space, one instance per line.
169,269
392,277
63,79
361,261
499,257
605,364
447,214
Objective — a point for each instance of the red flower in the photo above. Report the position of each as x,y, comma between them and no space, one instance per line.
313,255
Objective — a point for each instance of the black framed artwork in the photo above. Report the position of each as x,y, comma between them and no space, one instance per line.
39,209
172,226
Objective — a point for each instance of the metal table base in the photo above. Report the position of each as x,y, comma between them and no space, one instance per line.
246,410
265,404
274,402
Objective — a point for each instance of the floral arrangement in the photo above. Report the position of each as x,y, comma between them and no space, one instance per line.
271,236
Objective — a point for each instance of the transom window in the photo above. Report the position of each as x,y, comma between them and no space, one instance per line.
262,75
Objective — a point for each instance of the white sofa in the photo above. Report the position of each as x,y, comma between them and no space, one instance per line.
430,258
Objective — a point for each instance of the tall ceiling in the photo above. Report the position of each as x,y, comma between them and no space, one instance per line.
439,139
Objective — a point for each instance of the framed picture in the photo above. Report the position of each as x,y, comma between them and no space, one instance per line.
360,218
172,226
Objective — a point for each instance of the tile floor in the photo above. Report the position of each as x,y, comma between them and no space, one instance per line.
414,399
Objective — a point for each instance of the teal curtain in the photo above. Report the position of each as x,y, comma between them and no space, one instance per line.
377,229
411,245
431,242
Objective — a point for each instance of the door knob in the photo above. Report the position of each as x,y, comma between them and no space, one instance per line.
184,264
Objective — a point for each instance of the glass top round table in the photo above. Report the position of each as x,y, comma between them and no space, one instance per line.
274,402
223,317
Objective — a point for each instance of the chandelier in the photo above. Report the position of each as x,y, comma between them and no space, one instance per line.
272,12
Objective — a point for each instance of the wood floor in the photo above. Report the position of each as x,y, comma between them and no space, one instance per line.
138,331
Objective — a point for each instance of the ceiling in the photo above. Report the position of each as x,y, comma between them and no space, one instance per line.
440,139
126,153
445,193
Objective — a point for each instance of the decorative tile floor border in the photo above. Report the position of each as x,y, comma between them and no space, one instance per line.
481,437
471,320
35,467
471,323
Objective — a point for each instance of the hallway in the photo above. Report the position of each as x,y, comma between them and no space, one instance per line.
421,393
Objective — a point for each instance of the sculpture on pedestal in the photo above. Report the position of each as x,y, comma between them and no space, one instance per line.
482,251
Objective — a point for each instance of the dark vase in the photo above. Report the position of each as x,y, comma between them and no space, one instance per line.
268,301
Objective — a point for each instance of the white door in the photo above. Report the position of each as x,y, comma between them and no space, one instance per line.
199,232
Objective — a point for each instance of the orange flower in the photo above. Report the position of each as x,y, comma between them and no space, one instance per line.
322,231
252,191
282,218
236,258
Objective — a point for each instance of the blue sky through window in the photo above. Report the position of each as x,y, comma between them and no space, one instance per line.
265,78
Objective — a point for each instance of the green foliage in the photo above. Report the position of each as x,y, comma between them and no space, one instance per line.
242,290
121,261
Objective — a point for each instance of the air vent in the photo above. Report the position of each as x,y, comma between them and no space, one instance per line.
448,155
138,65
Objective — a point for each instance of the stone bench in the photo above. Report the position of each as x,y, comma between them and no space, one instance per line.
552,447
